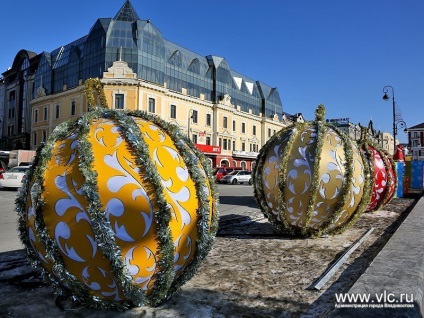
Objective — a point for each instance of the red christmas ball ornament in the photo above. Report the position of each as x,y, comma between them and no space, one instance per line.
382,169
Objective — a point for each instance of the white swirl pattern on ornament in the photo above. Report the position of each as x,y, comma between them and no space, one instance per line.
134,270
299,176
380,180
88,280
174,176
116,207
128,207
270,177
331,175
71,224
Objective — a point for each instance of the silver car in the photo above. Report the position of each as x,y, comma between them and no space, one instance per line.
237,176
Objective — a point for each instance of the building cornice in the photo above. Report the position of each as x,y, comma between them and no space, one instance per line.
236,111
187,98
47,98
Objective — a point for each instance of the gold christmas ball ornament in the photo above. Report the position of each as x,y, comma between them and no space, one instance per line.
119,209
310,179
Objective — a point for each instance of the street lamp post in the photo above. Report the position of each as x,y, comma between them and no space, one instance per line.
396,123
190,117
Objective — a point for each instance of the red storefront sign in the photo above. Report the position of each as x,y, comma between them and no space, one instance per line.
208,148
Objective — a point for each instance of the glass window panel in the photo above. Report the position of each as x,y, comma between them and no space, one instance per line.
119,101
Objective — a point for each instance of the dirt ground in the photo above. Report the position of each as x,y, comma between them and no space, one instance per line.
250,272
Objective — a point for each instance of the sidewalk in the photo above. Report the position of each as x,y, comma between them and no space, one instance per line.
397,269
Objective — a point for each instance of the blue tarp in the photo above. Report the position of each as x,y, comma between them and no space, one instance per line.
417,175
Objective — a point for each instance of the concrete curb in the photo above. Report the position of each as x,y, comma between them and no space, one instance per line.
398,269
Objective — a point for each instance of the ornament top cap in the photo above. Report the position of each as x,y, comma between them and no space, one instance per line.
364,133
320,113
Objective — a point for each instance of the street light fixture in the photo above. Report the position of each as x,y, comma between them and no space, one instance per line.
396,123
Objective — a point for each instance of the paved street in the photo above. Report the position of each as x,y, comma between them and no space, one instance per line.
9,240
234,199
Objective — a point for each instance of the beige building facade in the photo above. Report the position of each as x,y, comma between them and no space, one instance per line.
227,135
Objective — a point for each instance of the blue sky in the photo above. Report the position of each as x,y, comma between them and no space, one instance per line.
332,52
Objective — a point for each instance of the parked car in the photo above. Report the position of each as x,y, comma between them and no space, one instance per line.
13,177
238,176
220,172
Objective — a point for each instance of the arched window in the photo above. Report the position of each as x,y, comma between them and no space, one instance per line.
243,165
224,163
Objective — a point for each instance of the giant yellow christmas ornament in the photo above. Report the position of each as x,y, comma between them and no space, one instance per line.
118,210
310,179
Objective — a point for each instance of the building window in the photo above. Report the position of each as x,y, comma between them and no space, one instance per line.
208,140
57,111
173,111
34,138
44,136
234,125
45,113
194,116
152,106
254,147
194,138
234,145
254,130
243,146
225,122
269,132
225,146
119,101
73,108
36,116
10,130
415,134
208,120
243,128
11,113
220,142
